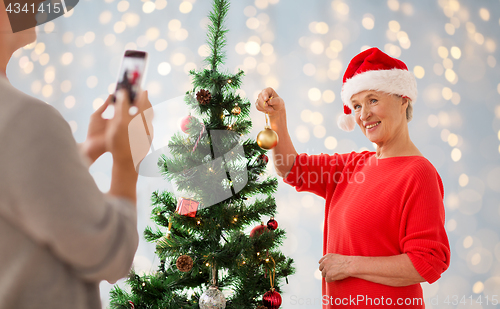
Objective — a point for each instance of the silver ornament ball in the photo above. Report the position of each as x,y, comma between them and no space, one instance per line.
212,299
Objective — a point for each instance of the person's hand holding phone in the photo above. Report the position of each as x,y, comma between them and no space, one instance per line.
99,136
120,131
130,78
95,144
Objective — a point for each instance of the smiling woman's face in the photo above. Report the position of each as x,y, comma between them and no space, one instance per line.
379,115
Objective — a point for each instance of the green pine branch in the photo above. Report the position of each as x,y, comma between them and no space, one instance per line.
217,33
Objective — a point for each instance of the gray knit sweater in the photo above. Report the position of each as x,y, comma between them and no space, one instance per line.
59,234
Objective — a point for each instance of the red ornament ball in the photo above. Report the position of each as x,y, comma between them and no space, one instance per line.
272,299
263,158
258,230
185,123
272,224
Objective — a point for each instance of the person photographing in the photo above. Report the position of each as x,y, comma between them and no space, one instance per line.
60,235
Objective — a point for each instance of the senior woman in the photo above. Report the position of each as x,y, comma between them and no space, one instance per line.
384,214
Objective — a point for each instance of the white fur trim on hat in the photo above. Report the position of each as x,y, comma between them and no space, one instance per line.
346,122
394,81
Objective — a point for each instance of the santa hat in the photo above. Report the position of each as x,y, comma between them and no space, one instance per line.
372,69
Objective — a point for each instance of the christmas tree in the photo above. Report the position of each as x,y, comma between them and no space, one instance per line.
222,190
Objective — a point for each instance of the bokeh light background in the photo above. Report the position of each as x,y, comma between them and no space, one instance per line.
301,48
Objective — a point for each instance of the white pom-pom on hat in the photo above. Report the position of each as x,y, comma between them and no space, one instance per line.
346,121
372,69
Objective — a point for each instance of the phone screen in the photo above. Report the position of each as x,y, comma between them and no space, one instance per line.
131,72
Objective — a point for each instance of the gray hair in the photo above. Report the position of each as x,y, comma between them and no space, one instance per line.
409,111
409,108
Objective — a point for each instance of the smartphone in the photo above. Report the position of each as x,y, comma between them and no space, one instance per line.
132,71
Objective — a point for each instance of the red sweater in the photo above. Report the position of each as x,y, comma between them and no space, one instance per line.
377,207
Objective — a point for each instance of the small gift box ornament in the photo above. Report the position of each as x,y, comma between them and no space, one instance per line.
187,207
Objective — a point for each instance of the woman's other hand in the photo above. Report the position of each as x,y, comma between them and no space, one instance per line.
334,267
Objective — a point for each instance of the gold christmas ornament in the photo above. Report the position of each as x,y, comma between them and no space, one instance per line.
236,110
267,138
